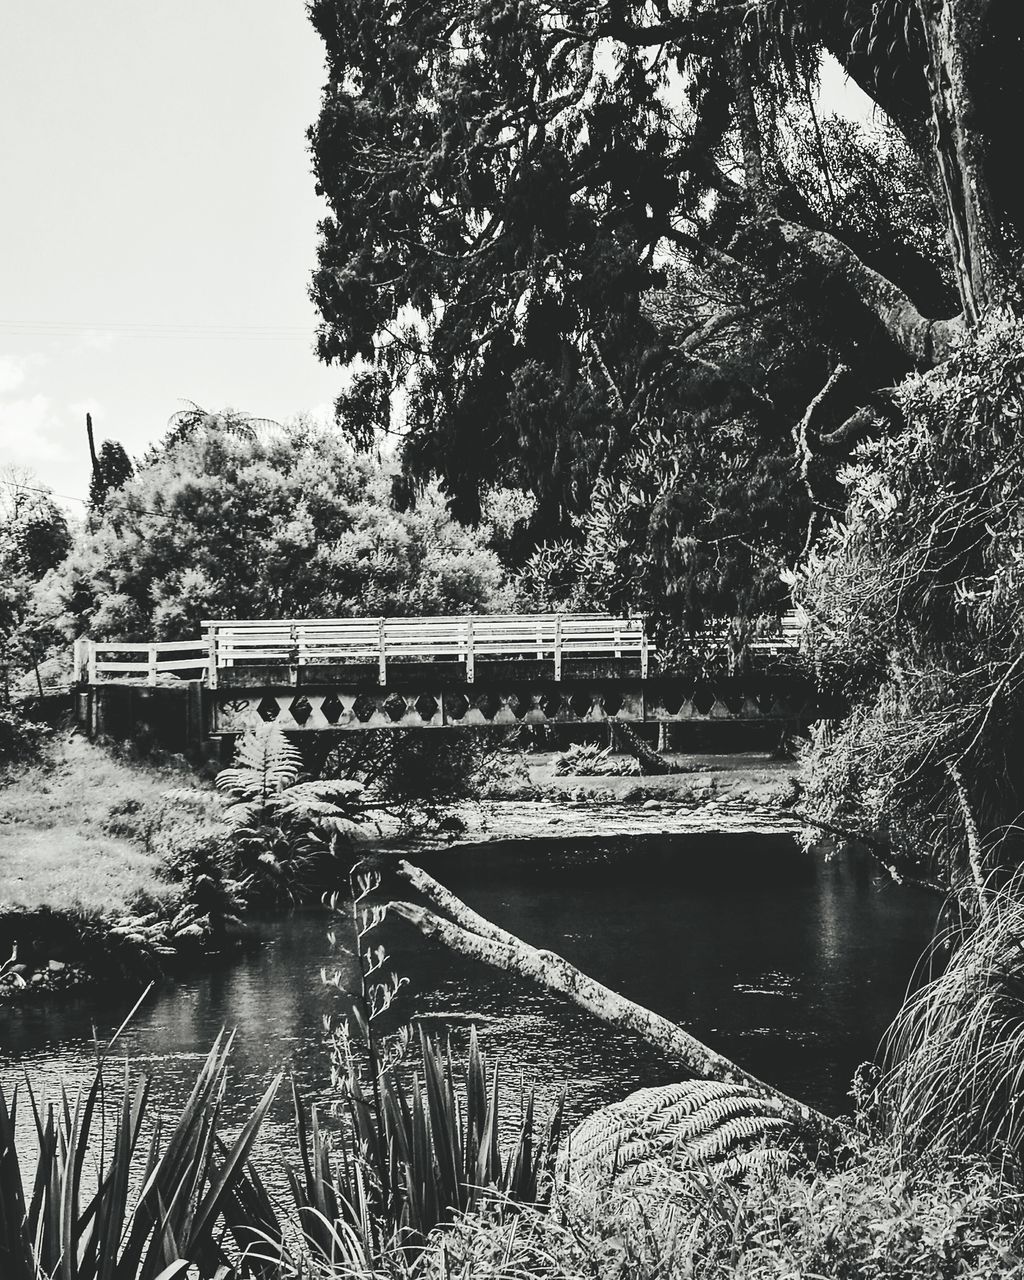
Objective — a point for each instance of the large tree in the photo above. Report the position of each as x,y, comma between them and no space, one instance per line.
218,522
505,181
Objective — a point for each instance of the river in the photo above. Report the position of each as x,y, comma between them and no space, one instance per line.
788,962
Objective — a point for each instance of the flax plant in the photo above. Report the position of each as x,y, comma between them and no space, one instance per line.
124,1205
420,1142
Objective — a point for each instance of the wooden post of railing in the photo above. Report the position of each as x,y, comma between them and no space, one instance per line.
470,654
558,647
151,667
81,652
618,639
211,656
293,655
382,662
92,661
644,659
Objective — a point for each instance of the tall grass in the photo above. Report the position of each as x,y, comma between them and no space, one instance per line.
954,1057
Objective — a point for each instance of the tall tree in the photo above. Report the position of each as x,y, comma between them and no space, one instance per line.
218,523
111,467
505,178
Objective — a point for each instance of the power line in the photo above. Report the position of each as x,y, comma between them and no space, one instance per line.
156,329
70,497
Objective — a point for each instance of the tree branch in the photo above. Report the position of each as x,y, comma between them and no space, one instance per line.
974,854
927,342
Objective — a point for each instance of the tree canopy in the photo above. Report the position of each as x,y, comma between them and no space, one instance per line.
34,539
535,206
221,524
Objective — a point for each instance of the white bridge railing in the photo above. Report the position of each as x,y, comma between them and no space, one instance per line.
235,643
460,639
316,641
97,660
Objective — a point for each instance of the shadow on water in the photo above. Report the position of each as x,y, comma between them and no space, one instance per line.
787,962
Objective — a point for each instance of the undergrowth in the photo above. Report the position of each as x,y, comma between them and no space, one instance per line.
873,1219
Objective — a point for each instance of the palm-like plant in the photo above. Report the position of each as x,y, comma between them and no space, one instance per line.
280,825
186,422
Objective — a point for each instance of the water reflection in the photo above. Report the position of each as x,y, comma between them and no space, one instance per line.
788,963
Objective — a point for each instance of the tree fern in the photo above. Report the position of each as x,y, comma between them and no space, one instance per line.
282,827
727,1128
265,764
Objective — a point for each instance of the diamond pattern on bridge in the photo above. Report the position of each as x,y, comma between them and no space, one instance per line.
426,706
394,706
332,708
300,709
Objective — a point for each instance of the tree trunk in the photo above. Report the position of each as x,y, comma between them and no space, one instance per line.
975,72
474,936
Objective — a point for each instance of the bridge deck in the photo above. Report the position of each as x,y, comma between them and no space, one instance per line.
229,646
339,674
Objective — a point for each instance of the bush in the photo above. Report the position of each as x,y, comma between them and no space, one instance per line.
873,1220
915,610
21,740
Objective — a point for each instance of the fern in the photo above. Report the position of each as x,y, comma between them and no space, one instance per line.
705,1125
281,826
266,763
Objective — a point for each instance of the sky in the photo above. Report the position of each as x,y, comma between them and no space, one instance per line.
158,221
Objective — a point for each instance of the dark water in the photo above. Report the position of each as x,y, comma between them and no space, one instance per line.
788,963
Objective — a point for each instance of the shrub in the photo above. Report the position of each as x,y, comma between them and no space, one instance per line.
915,608
21,740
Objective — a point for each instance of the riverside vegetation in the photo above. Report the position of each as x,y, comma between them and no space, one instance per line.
725,353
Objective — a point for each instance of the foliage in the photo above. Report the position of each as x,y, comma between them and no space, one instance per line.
954,1052
34,538
727,452
112,468
589,758
417,780
194,418
418,1152
511,187
216,524
872,1220
21,740
280,827
915,618
694,526
154,1206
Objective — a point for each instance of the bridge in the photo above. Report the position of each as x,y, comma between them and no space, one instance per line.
327,675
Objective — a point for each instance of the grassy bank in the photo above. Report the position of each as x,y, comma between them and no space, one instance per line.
69,832
98,868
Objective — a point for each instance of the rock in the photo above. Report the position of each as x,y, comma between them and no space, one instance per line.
651,804
57,966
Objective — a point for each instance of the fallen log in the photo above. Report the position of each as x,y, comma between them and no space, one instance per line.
474,936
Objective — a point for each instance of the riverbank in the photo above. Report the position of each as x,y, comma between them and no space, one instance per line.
102,871
706,793
96,880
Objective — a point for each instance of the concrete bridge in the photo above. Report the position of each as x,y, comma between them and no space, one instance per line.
338,675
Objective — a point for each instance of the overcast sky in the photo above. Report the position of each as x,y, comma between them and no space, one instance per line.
157,221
